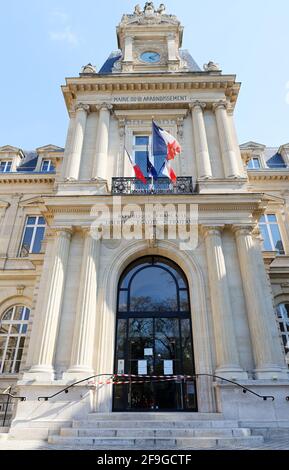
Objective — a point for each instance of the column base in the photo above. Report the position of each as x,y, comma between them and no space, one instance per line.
234,373
271,373
39,373
77,373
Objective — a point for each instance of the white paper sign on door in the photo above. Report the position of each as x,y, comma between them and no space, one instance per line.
142,367
120,366
148,351
168,367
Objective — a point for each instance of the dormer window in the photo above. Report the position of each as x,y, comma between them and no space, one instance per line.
5,166
254,164
47,166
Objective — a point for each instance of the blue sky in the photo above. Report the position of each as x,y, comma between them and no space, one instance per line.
42,42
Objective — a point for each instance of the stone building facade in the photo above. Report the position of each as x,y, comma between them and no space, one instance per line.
62,289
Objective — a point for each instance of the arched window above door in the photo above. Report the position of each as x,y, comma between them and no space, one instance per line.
153,284
13,330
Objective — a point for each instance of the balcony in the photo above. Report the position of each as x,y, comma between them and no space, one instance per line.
132,186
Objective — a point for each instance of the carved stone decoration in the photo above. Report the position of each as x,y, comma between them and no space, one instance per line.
180,126
137,10
89,68
212,67
162,9
149,9
20,289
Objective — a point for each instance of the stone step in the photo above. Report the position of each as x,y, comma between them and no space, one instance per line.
153,424
155,416
152,433
190,442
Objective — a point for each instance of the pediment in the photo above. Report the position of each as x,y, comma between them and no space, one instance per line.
252,146
49,148
10,149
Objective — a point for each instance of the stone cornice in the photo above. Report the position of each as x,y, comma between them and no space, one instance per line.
207,202
148,83
268,174
27,178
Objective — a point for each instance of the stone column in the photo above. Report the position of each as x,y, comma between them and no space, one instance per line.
50,303
226,141
200,139
226,346
268,356
100,162
73,165
128,57
84,327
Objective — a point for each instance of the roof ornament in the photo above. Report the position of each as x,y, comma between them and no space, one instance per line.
162,9
137,10
212,67
89,68
149,9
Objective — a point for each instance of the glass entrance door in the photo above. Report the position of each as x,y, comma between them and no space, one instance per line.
150,344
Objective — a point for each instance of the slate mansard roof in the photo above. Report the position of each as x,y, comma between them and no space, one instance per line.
107,67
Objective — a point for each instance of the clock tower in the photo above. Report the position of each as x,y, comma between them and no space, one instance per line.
150,40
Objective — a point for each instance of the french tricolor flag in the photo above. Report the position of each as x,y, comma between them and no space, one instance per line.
164,144
137,171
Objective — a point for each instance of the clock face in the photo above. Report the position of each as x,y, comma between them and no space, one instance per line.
150,57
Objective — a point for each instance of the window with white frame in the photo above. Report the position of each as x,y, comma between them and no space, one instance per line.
47,166
141,146
5,166
32,236
13,330
282,313
254,164
269,229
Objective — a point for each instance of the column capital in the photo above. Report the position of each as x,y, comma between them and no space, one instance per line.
240,230
63,232
104,106
210,230
220,105
197,104
82,107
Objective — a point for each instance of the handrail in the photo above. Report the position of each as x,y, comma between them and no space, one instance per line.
113,376
12,396
9,396
66,389
245,389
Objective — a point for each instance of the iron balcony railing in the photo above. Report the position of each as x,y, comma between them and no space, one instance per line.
183,185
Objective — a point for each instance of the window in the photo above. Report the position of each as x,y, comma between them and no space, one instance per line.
282,313
5,166
141,149
254,164
33,235
271,234
13,330
47,166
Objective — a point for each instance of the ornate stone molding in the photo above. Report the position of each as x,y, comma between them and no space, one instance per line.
104,106
197,104
82,107
220,105
210,230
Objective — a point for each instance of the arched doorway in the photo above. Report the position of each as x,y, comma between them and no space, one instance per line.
154,337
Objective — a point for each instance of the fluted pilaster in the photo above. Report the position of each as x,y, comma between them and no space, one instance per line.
267,355
200,140
77,145
100,162
83,337
51,305
226,346
229,156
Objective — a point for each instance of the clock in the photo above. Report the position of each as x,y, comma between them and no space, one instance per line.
150,57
